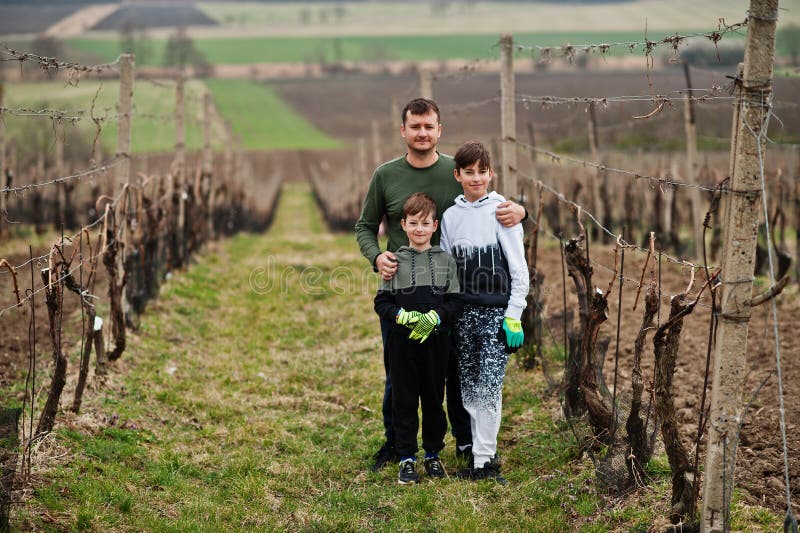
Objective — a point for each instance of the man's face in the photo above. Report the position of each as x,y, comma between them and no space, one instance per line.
421,132
474,180
420,229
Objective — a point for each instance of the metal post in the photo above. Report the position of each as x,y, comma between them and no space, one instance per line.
741,230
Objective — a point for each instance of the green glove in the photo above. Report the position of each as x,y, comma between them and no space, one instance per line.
514,333
407,318
425,326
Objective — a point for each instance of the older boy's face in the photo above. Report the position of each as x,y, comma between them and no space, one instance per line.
474,180
421,132
420,229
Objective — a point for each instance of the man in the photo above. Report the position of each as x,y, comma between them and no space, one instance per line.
421,169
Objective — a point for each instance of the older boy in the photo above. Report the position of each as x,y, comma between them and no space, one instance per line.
420,301
494,280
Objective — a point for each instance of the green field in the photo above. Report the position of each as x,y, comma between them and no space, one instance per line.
258,115
385,18
152,127
366,48
263,119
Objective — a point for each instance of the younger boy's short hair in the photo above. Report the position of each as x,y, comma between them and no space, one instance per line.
472,152
419,203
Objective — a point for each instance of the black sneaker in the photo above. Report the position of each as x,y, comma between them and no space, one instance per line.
490,471
465,454
387,454
434,467
408,472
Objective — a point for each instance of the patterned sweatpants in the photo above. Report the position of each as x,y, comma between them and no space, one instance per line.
482,363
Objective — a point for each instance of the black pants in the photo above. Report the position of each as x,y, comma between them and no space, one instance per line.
458,416
418,375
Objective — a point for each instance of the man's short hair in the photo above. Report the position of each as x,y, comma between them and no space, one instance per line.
421,106
419,203
471,152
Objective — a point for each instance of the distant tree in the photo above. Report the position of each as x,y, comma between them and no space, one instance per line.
305,16
127,42
323,15
134,43
48,47
339,11
338,52
181,52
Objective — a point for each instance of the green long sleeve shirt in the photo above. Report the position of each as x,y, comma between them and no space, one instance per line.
391,185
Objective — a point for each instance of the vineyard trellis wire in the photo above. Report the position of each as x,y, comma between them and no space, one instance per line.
663,187
139,241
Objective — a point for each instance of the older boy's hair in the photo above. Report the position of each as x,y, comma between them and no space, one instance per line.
471,152
419,203
421,106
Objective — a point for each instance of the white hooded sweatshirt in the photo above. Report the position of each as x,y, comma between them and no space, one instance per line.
490,257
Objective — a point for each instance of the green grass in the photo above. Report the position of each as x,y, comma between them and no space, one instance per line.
258,115
250,401
359,48
149,131
263,119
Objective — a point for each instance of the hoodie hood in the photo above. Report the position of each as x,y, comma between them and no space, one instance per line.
409,251
492,199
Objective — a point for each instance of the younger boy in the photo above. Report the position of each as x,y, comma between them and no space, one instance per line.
421,301
493,276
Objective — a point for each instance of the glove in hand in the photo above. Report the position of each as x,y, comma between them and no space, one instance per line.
425,326
514,333
407,318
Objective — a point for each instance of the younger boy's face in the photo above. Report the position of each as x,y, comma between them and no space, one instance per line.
420,229
474,180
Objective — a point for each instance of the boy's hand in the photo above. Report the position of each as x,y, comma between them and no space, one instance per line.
514,334
425,326
509,213
386,263
407,318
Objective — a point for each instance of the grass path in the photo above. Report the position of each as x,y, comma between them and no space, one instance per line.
250,401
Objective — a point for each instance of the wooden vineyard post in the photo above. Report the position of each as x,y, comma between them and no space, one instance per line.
208,161
377,157
125,106
738,259
597,202
691,166
124,177
508,124
361,164
425,83
3,180
180,171
394,111
532,140
58,171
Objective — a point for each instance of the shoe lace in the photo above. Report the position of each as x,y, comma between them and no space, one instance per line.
408,467
434,466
